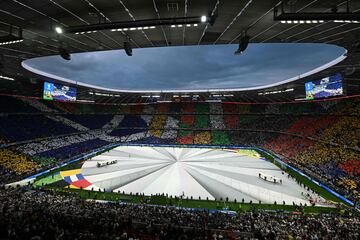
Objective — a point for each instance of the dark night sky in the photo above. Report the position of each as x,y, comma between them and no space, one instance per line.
190,67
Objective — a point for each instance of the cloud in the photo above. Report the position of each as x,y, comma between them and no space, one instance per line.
190,67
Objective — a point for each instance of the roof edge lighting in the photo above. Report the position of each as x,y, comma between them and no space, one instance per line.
11,39
315,17
144,24
7,78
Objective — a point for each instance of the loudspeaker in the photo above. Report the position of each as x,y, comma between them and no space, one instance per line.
64,53
128,48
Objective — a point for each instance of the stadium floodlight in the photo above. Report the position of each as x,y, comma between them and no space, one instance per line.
243,44
58,30
64,53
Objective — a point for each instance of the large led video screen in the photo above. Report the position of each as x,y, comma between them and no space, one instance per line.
59,92
326,87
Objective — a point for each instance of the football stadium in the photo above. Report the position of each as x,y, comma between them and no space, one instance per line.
236,119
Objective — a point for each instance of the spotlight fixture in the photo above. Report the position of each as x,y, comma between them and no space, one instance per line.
243,44
128,48
64,53
58,30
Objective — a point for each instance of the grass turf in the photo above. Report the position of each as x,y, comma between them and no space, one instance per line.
191,203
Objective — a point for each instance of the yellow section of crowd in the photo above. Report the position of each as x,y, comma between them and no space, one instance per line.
350,185
202,138
157,122
345,132
14,162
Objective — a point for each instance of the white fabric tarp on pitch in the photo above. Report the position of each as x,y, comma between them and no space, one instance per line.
191,172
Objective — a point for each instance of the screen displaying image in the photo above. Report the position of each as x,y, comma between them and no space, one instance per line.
59,92
323,88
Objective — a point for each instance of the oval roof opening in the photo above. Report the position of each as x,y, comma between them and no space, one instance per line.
204,67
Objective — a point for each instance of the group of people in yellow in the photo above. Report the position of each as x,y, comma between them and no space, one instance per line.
202,138
345,135
156,124
19,164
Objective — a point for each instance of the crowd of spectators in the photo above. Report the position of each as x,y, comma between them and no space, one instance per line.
202,122
329,153
187,121
169,134
319,137
232,121
12,164
91,121
203,137
28,127
36,148
157,124
217,122
185,137
220,138
250,138
13,105
29,214
75,149
215,108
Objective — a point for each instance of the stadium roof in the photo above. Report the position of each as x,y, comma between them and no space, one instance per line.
38,20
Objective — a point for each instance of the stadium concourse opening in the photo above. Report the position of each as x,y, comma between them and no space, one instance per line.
178,120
